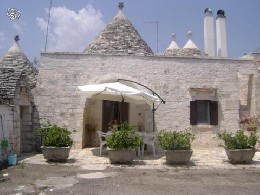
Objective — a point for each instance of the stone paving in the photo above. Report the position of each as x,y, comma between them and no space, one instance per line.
90,159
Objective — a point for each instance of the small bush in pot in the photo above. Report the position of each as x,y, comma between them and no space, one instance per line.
122,144
56,142
177,145
239,146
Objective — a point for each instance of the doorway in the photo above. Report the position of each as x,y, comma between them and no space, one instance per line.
114,111
26,129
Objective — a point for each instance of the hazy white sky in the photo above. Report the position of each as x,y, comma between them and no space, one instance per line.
74,23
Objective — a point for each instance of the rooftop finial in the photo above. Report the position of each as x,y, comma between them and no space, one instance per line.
173,37
16,38
189,34
121,5
221,14
208,11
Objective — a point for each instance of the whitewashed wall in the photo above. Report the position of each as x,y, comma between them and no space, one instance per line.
6,129
58,99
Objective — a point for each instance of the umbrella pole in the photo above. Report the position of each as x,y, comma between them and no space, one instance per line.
153,117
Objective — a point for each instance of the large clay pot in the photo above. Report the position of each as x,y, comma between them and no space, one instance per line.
251,128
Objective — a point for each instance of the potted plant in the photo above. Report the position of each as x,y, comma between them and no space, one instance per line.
4,147
239,146
250,123
122,144
177,145
56,142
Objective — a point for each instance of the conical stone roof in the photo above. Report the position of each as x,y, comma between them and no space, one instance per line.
189,50
9,78
17,60
120,38
173,49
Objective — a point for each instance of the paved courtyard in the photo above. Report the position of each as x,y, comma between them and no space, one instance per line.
201,159
88,173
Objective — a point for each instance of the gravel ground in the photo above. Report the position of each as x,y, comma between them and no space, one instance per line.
58,178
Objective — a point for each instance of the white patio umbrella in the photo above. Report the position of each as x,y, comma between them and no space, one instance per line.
118,92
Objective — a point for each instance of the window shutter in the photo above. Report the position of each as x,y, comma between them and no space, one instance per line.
213,112
193,113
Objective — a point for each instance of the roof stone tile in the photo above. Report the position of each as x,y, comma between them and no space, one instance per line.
119,38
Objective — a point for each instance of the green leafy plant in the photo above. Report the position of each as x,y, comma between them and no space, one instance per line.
124,139
175,140
54,135
4,143
238,140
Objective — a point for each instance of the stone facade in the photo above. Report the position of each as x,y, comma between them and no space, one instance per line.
229,87
173,78
256,57
17,80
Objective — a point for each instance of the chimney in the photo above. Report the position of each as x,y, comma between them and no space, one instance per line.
209,42
221,34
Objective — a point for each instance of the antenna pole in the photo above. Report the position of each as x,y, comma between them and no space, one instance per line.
157,34
46,40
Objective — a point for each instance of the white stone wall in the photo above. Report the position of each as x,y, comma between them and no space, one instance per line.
6,128
58,99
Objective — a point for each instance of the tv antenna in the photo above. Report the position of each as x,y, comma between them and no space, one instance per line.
46,40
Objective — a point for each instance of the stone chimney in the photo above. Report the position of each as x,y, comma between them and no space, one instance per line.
221,34
209,38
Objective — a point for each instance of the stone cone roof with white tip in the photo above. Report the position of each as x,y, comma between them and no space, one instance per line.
189,50
173,49
119,38
12,66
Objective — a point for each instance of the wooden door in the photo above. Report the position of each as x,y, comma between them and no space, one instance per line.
114,111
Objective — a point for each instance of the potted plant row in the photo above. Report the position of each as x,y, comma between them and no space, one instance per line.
56,142
177,145
239,146
122,144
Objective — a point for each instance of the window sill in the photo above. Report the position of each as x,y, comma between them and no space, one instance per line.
204,126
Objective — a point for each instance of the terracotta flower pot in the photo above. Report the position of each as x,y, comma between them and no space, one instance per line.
251,128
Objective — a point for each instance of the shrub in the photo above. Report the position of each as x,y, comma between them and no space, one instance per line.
56,136
238,140
175,140
124,139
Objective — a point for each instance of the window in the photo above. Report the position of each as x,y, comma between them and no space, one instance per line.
24,90
204,112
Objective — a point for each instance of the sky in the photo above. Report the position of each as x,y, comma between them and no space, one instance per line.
75,23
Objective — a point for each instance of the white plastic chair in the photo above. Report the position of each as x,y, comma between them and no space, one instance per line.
148,139
102,141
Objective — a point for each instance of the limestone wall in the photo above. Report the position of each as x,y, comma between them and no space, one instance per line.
6,127
58,99
256,57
